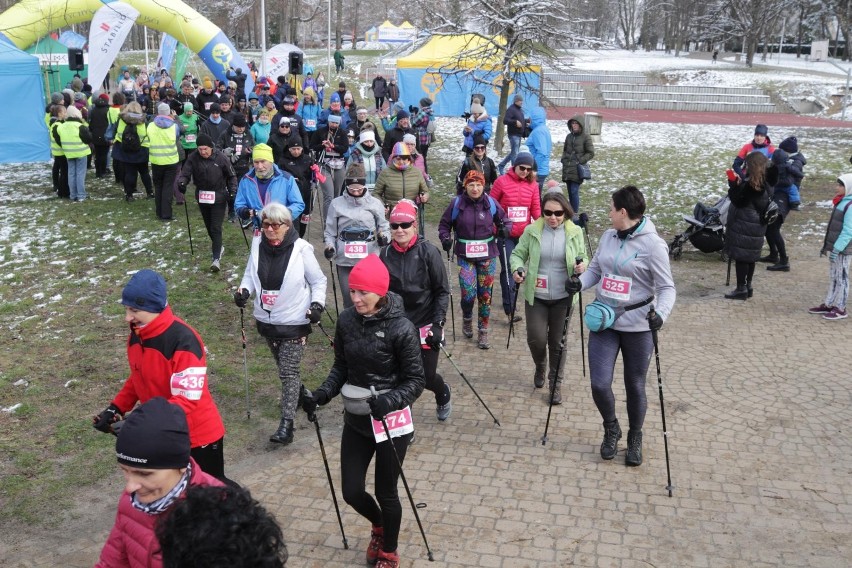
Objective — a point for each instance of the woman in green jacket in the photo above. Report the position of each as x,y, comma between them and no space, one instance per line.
548,248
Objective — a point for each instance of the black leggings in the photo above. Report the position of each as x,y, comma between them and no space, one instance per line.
214,216
130,170
380,101
434,381
60,176
356,452
211,458
745,272
775,239
636,349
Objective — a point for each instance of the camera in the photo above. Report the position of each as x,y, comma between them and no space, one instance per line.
465,115
413,109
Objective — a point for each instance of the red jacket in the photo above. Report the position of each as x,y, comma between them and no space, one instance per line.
132,542
167,359
519,198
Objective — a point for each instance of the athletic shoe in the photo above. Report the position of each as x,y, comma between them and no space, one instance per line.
836,314
387,560
511,320
820,309
377,540
306,219
609,446
444,410
214,266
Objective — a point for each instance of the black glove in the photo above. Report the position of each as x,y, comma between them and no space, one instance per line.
573,285
447,244
105,419
434,340
329,253
309,403
182,188
320,397
315,312
241,297
382,240
655,322
503,232
380,406
582,220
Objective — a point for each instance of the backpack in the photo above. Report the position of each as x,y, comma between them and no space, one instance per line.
431,128
109,135
130,141
454,215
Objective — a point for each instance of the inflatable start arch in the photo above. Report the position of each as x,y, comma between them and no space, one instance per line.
24,23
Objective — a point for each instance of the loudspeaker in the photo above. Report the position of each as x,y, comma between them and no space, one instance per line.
75,59
295,63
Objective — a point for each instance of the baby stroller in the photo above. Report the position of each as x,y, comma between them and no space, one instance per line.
706,229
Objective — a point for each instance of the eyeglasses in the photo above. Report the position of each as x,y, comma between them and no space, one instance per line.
549,213
273,226
396,226
524,168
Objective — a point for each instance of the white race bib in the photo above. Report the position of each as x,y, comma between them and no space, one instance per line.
191,137
541,283
518,214
476,249
424,333
310,123
189,383
268,298
399,424
207,105
355,249
616,287
206,197
238,150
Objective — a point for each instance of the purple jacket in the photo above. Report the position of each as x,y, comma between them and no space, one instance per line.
473,222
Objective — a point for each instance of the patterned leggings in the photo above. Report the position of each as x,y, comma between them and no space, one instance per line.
288,356
838,286
476,279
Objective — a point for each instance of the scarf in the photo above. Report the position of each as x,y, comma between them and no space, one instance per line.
274,260
627,232
408,247
215,120
166,501
369,157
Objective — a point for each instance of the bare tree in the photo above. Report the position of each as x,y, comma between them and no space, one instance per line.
629,18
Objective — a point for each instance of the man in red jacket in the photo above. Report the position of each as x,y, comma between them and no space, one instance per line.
167,359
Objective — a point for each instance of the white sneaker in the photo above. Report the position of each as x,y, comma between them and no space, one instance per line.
214,266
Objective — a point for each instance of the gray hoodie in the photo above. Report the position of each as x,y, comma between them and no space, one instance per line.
643,258
346,211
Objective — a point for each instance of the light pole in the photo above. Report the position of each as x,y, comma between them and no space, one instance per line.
846,93
328,48
263,38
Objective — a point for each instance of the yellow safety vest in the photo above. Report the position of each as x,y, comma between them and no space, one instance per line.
163,145
72,145
55,148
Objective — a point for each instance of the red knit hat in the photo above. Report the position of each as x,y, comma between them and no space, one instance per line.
370,275
474,175
404,212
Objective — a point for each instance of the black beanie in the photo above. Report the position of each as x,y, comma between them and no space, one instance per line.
790,145
239,120
204,140
154,436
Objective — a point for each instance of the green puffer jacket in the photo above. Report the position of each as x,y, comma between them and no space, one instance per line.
393,185
528,252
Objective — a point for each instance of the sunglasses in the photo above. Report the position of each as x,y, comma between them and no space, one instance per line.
549,213
396,226
524,168
273,226
479,147
406,158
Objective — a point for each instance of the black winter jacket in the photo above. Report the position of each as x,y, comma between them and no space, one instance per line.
744,231
418,275
382,351
214,173
514,114
99,122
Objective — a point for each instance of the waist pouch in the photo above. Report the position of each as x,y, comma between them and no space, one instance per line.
355,399
599,316
356,234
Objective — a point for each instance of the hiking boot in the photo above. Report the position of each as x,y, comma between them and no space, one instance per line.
750,289
634,448
129,198
467,327
214,266
782,265
511,319
387,560
557,392
377,541
836,314
444,410
538,379
609,446
820,309
482,342
284,434
739,293
795,206
771,257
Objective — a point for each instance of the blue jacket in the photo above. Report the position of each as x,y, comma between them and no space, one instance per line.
310,116
481,126
539,142
282,188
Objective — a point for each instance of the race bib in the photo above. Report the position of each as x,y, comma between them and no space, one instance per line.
476,249
207,197
616,287
189,383
310,123
518,214
355,249
541,283
207,105
268,298
399,424
190,137
238,150
424,333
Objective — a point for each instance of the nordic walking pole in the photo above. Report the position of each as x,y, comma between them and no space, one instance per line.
188,229
404,481
669,487
584,219
578,260
243,231
521,272
334,287
245,362
452,307
497,422
562,342
312,417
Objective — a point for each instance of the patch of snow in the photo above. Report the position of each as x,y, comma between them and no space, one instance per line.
13,408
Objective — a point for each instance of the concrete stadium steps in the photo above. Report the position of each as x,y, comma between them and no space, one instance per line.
564,93
686,89
680,106
631,77
686,98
